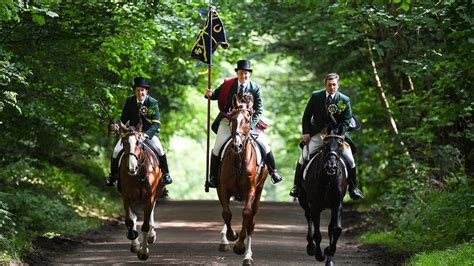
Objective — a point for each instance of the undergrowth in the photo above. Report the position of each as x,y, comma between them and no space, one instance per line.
38,199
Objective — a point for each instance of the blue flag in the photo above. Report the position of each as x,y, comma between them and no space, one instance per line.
202,48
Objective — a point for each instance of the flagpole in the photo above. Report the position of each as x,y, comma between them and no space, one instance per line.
209,77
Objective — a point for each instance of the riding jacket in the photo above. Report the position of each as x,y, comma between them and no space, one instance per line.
252,88
316,117
149,113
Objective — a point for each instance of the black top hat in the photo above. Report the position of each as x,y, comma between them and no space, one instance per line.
243,65
141,82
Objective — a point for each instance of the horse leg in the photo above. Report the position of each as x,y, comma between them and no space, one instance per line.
151,235
227,216
131,223
250,227
316,214
311,247
224,243
239,247
334,230
147,230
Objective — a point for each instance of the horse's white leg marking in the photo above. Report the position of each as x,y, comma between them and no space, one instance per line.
135,245
133,216
224,240
152,217
248,249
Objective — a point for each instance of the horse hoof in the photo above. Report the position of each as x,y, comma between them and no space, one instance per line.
134,249
224,247
247,262
132,234
330,262
239,251
311,249
319,256
143,254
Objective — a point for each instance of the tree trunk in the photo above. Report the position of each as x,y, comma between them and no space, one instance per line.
386,107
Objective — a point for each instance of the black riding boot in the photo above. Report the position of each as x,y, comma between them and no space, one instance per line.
354,193
270,161
295,190
113,173
164,167
213,178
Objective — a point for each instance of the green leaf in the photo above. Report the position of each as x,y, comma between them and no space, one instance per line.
405,6
38,19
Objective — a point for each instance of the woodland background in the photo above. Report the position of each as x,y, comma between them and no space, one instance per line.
406,65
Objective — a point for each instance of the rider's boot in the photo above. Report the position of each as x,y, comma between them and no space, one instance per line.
354,193
270,161
213,178
164,167
113,172
295,190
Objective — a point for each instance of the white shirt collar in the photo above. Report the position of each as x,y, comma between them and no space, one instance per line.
244,84
332,95
142,101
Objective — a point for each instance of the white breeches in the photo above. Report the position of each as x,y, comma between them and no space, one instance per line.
155,139
223,134
317,141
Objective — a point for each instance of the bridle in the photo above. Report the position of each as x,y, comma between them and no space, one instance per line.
336,153
239,131
138,136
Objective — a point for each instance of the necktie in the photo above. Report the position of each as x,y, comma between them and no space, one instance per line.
241,89
328,100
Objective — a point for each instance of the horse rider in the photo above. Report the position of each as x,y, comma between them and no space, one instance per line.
140,106
221,125
317,123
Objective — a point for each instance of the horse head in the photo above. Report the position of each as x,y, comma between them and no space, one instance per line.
333,146
132,141
241,116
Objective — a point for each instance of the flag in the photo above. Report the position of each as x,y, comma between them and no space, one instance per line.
202,48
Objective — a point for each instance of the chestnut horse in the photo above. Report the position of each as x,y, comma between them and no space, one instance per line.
324,188
241,176
140,176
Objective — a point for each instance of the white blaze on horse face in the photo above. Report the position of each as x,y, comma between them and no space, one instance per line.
132,160
237,141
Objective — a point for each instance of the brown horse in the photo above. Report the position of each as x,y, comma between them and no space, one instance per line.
324,188
140,176
241,176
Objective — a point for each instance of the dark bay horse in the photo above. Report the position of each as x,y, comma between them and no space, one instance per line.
241,176
324,188
140,176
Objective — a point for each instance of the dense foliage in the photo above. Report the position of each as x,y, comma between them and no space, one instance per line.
57,59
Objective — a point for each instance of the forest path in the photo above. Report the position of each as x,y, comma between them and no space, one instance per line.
188,233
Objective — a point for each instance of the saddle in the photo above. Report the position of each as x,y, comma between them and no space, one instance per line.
258,147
